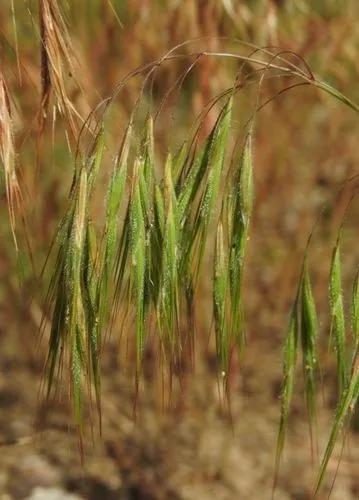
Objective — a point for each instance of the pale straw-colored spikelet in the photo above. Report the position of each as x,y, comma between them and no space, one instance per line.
57,61
7,155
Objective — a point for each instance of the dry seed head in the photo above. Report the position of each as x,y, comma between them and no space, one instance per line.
57,60
7,155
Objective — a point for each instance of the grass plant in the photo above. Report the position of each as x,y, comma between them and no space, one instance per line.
171,219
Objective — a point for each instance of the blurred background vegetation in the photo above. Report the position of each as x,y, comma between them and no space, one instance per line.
305,159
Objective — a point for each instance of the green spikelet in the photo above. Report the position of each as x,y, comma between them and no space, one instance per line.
149,154
114,198
241,204
337,331
179,163
309,332
77,328
188,189
138,256
289,365
93,162
147,182
215,156
342,417
355,310
220,288
169,281
90,280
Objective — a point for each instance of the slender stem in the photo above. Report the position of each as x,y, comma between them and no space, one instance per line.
317,83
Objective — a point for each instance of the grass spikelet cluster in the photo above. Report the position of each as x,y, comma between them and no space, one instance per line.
74,328
140,270
147,266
